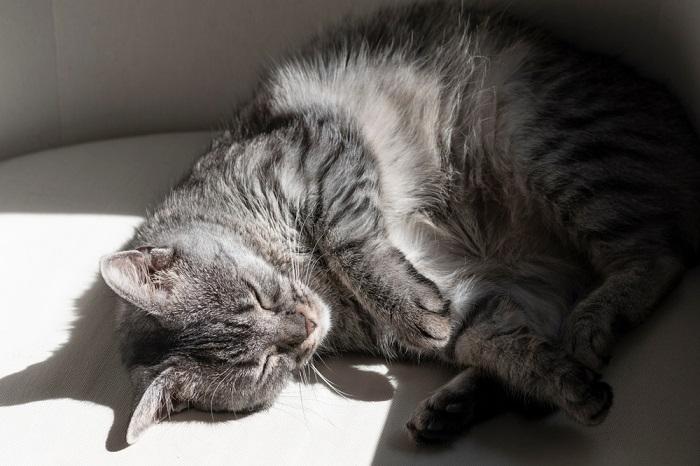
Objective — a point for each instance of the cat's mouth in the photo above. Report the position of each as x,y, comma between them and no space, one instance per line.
294,357
317,322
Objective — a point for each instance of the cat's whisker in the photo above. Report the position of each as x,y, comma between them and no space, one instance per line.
298,272
311,269
307,369
305,373
330,384
301,400
279,404
318,240
233,383
323,361
221,379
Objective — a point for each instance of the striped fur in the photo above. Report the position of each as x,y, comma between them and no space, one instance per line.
444,183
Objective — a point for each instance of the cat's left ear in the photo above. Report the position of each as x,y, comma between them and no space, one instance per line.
131,275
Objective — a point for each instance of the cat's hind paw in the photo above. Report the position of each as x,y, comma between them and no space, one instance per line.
588,341
587,399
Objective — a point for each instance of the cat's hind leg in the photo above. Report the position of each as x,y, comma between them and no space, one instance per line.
532,365
628,293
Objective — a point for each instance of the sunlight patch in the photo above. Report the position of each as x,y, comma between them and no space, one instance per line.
49,262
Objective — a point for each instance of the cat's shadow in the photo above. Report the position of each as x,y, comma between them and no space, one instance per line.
85,368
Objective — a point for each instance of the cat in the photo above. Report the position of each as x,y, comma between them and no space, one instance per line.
432,182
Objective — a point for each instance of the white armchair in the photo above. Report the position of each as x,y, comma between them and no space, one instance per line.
82,70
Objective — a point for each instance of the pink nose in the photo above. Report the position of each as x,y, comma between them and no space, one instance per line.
310,326
308,321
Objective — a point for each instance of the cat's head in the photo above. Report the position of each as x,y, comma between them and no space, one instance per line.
213,328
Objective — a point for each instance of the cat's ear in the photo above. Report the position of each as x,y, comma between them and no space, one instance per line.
131,275
157,399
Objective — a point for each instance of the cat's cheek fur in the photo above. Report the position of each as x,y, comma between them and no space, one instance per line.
173,391
324,324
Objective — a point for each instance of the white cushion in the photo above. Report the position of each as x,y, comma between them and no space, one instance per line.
64,397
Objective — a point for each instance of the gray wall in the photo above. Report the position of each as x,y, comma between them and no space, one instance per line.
77,70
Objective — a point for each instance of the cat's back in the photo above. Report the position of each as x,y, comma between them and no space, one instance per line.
448,99
415,82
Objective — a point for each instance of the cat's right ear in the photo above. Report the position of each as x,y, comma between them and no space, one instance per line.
156,400
131,275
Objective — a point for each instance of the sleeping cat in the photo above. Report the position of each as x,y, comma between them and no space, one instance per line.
430,182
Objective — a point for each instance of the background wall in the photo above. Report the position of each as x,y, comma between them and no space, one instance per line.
77,70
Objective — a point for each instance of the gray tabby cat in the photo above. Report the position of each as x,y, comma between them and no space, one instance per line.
432,182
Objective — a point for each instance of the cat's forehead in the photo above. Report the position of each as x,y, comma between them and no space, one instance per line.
229,257
200,245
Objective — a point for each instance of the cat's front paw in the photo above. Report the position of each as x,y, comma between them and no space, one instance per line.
424,322
588,340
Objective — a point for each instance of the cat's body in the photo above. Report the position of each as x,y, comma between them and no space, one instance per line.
427,161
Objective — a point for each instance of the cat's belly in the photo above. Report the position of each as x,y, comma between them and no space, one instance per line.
524,262
545,283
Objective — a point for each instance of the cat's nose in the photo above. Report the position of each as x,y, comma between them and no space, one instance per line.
310,326
309,321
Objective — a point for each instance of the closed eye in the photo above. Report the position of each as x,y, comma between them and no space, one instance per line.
267,361
266,366
258,297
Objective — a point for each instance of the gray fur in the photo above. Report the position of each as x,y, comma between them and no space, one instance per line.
430,182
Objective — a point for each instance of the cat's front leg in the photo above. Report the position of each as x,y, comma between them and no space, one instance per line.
470,397
350,232
406,304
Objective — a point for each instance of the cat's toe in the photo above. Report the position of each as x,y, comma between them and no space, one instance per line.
588,341
430,332
440,418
